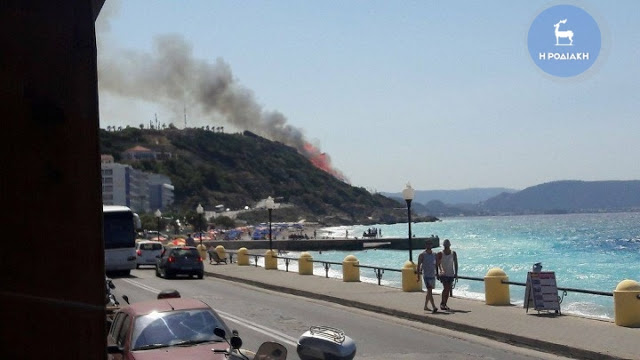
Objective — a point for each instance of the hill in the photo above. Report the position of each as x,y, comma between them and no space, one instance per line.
239,170
568,196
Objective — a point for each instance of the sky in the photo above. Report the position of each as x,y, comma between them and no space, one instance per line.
440,94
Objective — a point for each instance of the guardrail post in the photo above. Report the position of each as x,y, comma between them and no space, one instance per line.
379,273
350,273
305,264
626,303
495,291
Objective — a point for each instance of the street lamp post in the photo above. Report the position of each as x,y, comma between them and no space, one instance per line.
200,211
270,204
407,194
158,214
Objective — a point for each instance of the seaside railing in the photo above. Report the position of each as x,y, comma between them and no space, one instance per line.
379,272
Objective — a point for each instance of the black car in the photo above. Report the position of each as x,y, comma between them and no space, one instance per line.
177,260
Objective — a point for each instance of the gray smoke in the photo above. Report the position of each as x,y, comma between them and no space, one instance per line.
171,76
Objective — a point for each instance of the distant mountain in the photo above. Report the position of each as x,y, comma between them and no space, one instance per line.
454,197
568,196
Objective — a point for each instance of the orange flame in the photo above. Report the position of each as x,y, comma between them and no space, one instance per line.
322,161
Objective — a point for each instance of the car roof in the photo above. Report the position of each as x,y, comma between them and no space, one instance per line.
163,305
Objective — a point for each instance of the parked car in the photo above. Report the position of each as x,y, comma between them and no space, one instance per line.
146,252
180,260
170,328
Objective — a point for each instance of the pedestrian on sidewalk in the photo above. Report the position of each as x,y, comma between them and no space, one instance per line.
447,263
190,241
210,252
427,267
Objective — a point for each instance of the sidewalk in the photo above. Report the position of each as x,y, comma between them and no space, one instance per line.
564,335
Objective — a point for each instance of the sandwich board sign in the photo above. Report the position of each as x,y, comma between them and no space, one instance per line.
542,291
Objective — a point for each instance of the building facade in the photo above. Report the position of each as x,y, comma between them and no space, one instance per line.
124,185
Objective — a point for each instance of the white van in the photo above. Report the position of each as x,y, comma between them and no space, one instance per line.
146,252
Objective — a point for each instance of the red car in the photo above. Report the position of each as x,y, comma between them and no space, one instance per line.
171,328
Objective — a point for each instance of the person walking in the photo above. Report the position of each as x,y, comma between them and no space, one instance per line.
190,241
447,264
427,267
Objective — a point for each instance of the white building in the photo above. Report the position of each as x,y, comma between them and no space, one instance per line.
124,185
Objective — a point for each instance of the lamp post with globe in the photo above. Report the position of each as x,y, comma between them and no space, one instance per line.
410,278
270,260
158,215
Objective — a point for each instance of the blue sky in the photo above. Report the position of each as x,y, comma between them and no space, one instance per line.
442,94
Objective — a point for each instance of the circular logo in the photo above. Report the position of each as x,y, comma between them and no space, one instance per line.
564,41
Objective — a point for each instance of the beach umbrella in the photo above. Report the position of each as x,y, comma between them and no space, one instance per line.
179,241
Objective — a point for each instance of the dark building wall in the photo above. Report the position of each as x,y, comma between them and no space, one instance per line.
52,274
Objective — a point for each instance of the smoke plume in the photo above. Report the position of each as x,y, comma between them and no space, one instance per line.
171,76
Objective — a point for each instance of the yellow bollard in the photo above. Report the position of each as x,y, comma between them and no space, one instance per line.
411,282
495,292
270,260
350,273
202,250
221,252
626,304
243,256
305,264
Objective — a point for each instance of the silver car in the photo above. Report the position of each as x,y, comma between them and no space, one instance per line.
146,252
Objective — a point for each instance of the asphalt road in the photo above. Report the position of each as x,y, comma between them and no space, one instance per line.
261,315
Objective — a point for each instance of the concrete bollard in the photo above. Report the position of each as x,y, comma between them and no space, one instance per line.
411,282
350,273
221,252
305,264
626,304
202,250
243,256
495,292
270,260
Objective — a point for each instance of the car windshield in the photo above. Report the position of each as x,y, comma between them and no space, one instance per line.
172,328
187,253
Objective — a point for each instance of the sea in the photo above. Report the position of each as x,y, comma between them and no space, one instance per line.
586,251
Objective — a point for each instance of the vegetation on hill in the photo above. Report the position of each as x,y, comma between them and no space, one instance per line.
239,170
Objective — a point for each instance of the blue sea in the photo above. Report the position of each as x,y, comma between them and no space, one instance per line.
586,251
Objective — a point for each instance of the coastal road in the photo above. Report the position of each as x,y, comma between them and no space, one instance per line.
261,315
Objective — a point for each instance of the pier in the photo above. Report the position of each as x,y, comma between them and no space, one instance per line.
417,243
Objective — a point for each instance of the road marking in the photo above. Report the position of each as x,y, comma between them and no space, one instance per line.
238,320
260,328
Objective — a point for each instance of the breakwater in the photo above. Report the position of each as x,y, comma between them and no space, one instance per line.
417,243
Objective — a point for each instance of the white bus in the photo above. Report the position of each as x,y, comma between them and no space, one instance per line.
119,233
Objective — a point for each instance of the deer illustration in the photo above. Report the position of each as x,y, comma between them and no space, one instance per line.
563,34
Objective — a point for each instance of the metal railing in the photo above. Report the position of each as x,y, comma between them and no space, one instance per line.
379,271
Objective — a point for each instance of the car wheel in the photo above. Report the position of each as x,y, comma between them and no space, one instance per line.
137,266
157,272
126,273
200,276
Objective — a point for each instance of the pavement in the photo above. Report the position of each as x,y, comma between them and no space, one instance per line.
565,335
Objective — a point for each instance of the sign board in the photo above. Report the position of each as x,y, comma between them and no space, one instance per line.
542,291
